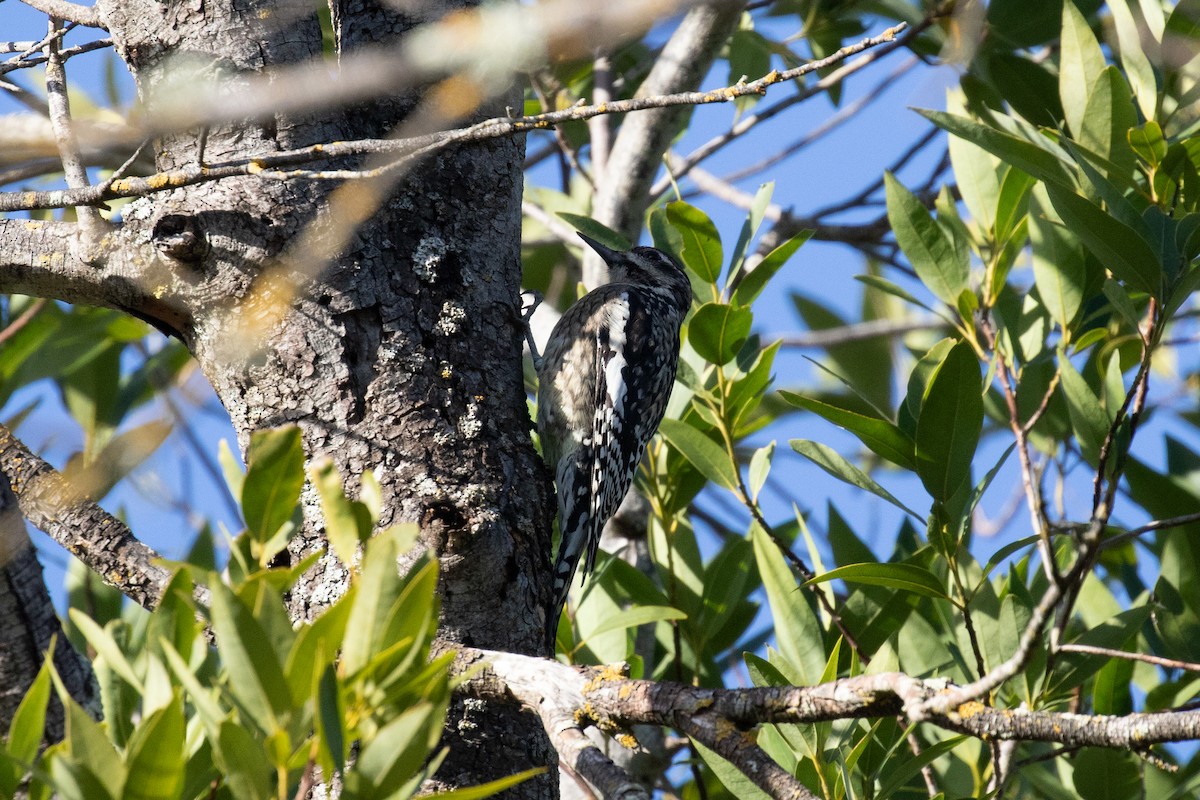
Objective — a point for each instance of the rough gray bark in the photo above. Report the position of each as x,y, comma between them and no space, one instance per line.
28,624
400,355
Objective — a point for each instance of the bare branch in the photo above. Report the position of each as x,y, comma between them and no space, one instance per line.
90,223
1158,661
412,147
72,12
91,534
891,39
859,331
604,697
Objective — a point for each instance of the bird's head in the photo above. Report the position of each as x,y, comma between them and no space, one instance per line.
646,266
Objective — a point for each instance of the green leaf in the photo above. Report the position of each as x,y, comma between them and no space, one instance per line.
255,677
732,778
347,522
976,171
638,615
1121,249
832,462
882,437
703,453
717,331
154,756
950,423
1080,63
1107,119
1013,202
1101,774
1088,417
399,748
491,787
29,721
102,642
91,749
242,762
701,242
1058,264
904,577
1133,59
597,230
273,481
797,629
330,718
1031,151
758,209
760,466
932,254
912,766
887,287
753,282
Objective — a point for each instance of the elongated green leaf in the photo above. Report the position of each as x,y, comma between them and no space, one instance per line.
491,787
91,748
918,762
273,480
102,642
701,241
1133,58
832,462
758,209
638,615
732,778
255,676
1058,263
797,629
29,721
704,454
760,466
752,284
155,760
1088,417
597,230
950,423
975,170
1034,154
1080,63
717,331
905,577
1121,249
242,762
347,522
399,748
330,718
881,436
931,252
1108,116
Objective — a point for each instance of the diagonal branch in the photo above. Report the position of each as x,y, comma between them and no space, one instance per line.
91,534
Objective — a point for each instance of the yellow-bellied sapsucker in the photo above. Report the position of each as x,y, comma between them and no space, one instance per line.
603,384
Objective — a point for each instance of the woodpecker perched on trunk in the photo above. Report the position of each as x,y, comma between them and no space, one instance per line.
603,384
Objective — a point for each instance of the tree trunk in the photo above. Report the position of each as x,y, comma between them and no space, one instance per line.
399,352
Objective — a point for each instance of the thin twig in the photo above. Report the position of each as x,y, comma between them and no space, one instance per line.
29,313
1156,525
411,147
1159,661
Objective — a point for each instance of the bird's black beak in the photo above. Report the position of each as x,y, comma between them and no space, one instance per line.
607,253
